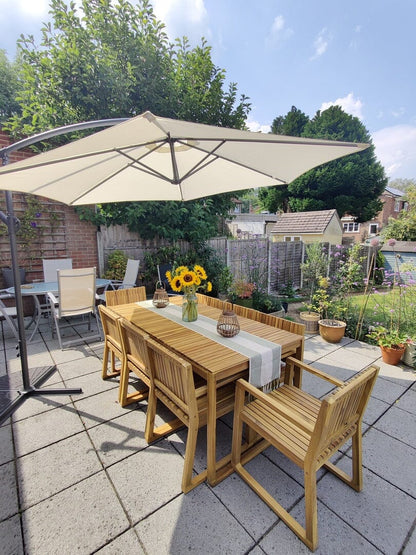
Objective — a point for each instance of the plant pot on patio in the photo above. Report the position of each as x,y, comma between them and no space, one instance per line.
392,355
409,354
8,277
310,319
332,330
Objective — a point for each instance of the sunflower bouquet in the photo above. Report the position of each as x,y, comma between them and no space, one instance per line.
188,281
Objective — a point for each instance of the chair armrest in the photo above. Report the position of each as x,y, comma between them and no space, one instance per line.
314,371
273,404
52,298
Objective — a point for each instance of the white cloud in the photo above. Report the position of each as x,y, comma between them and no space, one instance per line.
256,126
27,8
396,149
348,103
182,17
321,43
278,31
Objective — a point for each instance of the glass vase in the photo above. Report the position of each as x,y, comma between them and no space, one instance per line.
189,307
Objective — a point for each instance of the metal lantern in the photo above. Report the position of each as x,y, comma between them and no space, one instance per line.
160,297
227,324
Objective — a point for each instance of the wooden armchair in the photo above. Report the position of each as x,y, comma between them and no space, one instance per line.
172,382
306,430
134,359
124,296
112,342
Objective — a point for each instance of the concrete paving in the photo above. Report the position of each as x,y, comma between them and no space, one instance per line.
76,475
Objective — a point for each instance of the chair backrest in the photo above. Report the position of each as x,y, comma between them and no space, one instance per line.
125,296
130,276
133,346
52,265
213,301
281,323
76,291
161,273
173,379
341,410
109,321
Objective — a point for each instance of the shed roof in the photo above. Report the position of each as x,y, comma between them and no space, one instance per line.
304,222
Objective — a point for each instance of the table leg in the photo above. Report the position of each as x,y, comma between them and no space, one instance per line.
211,429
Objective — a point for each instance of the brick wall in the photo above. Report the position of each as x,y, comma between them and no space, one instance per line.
61,233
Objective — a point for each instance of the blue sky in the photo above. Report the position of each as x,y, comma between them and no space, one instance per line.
309,54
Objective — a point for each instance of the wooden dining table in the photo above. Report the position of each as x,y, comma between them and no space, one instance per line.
216,363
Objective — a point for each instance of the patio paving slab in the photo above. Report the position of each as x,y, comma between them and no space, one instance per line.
399,424
11,537
8,490
81,518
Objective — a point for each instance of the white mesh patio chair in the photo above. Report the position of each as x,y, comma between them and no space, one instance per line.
52,265
76,297
129,280
8,314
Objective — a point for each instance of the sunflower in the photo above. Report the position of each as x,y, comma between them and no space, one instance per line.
176,284
188,278
209,286
181,269
169,276
199,270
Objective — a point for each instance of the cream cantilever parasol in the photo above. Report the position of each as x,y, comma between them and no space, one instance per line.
154,158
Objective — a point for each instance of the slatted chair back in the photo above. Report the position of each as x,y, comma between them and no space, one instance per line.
112,341
173,380
213,301
307,431
281,323
133,343
244,311
340,414
125,296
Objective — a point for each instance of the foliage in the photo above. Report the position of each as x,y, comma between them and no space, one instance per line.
225,280
402,184
241,289
403,228
314,267
352,184
392,338
265,303
116,265
292,124
328,306
9,85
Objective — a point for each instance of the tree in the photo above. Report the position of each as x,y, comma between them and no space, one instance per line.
403,228
352,185
8,88
113,59
402,184
292,124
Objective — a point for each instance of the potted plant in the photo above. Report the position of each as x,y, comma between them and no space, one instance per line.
391,342
409,355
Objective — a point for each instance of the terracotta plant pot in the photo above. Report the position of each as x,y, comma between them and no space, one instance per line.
310,319
392,355
332,330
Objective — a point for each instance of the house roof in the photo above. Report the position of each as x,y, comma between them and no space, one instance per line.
394,192
304,222
400,246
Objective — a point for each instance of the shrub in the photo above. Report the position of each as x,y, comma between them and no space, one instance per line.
116,265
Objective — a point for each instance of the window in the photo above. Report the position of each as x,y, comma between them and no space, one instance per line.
351,227
288,239
373,229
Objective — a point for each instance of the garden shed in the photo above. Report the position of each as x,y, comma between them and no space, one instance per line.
400,257
323,226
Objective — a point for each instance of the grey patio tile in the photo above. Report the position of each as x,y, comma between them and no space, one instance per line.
380,512
316,348
41,403
80,367
407,401
54,468
387,391
401,375
374,410
126,543
399,424
288,466
119,438
8,491
75,353
91,384
410,547
80,519
335,536
99,408
11,536
46,428
6,444
371,352
194,523
254,515
350,360
391,459
148,480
